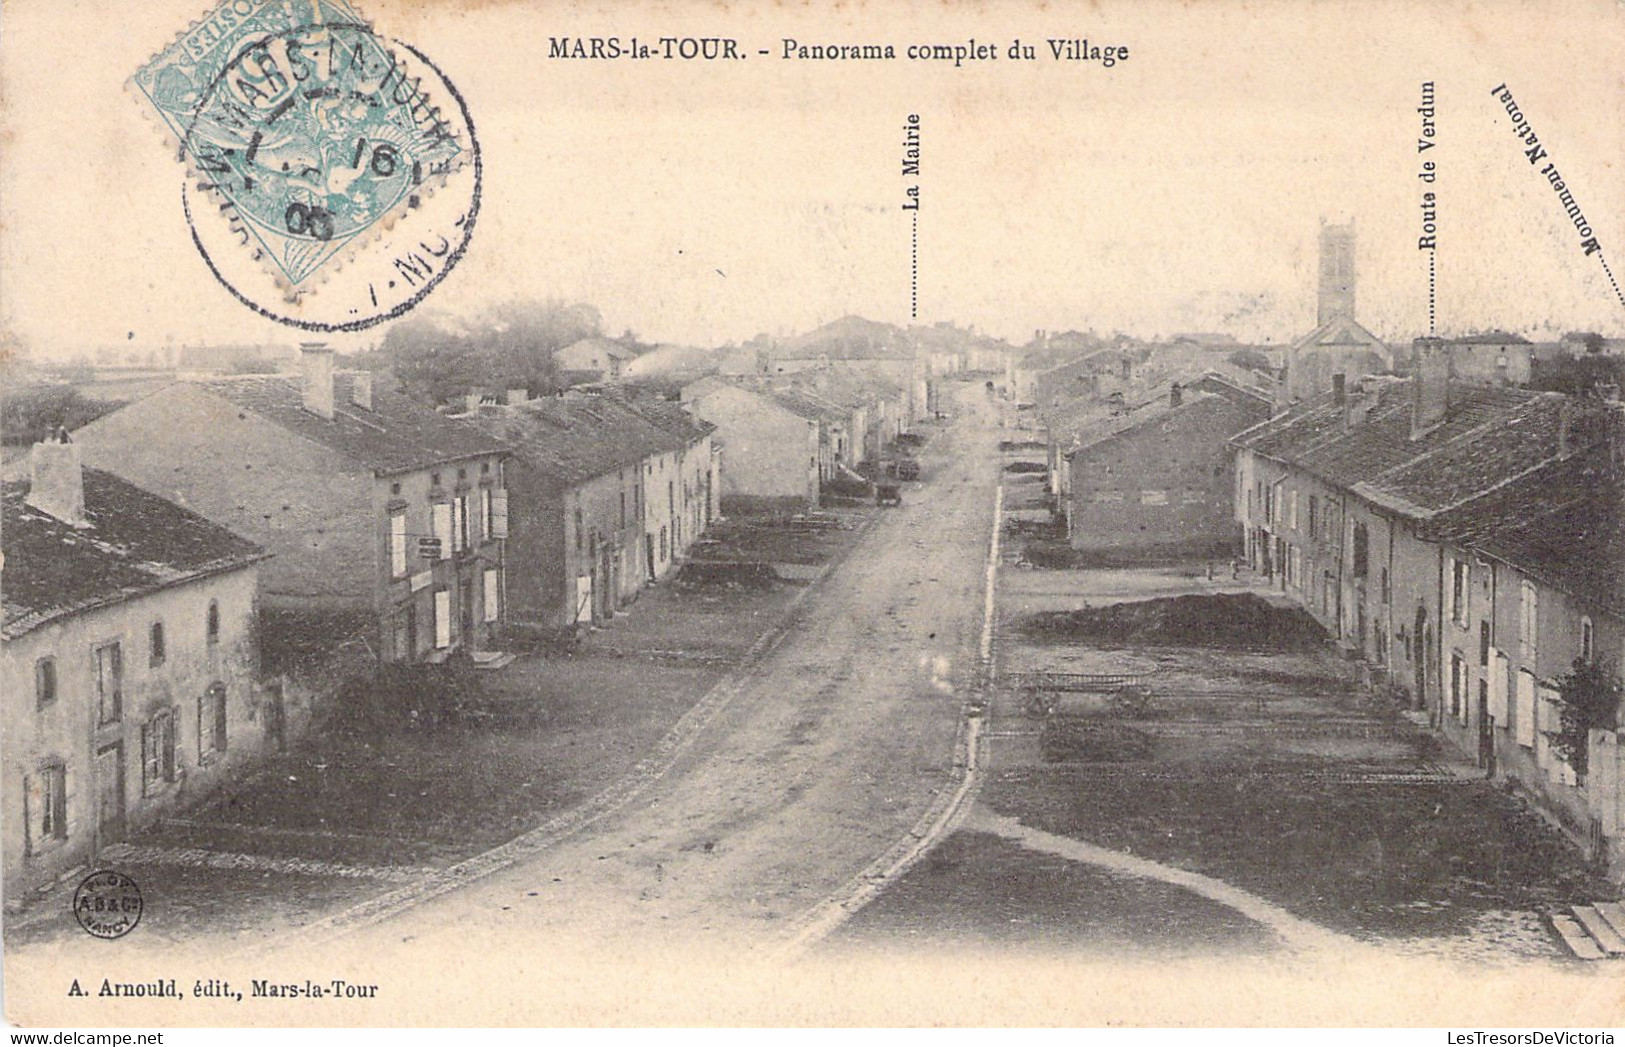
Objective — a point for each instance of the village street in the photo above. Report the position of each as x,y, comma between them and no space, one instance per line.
832,748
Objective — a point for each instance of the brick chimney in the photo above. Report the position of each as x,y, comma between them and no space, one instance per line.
316,376
1430,385
56,481
361,390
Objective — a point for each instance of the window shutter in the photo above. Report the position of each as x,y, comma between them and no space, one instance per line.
499,513
442,528
491,595
442,618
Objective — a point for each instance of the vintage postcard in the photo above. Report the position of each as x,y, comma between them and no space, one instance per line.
905,514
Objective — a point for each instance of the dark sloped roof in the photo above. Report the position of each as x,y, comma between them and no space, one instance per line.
1561,523
571,439
399,434
672,418
136,543
1315,437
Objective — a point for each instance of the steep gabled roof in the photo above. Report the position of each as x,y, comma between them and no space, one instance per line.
398,435
1342,332
136,543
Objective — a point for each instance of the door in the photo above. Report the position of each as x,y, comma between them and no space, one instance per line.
110,794
465,614
276,717
1486,730
1419,657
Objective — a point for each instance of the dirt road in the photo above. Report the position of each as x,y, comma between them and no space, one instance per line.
837,743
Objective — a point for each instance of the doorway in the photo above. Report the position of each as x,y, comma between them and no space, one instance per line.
110,794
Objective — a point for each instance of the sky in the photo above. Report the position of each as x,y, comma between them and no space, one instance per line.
702,203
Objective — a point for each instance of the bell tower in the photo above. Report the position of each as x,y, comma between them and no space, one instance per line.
1336,272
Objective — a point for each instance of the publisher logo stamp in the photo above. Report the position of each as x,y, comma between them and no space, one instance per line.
107,904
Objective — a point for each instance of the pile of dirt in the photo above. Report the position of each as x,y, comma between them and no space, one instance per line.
1071,739
1242,620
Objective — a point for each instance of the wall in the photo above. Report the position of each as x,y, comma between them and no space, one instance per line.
65,731
1180,457
405,606
306,503
770,454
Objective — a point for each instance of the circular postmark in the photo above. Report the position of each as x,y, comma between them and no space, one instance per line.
107,904
333,191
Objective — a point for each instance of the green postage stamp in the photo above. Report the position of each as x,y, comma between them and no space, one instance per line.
315,147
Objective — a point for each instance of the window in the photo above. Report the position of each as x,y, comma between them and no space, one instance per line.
155,645
211,625
1362,550
44,682
1458,592
1588,639
1314,517
45,803
109,683
157,752
487,514
211,721
623,510
492,597
397,544
1483,642
1292,510
1387,588
441,512
442,618
1524,724
579,538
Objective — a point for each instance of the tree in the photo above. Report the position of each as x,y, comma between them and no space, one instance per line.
31,414
509,346
1589,700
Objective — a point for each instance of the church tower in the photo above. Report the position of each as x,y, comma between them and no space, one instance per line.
1336,272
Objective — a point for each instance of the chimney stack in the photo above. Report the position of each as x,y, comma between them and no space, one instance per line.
56,481
361,390
1430,385
316,372
471,402
518,396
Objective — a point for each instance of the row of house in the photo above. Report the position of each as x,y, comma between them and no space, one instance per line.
785,437
1465,541
187,577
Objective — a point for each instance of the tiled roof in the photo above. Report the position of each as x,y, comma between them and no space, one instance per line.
1562,523
136,543
396,436
672,418
575,438
1315,437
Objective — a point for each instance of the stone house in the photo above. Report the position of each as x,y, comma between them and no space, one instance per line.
128,661
605,497
771,455
1157,482
1463,541
386,519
